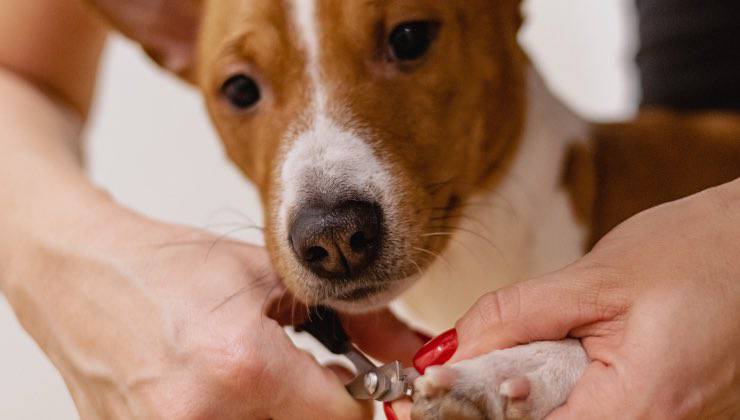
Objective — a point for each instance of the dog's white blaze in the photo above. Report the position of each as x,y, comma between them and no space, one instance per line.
305,17
330,156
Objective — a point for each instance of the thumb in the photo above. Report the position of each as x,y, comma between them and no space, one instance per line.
547,308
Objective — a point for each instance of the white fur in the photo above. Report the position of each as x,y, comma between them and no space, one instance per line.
523,228
306,21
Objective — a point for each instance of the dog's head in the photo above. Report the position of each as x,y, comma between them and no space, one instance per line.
365,124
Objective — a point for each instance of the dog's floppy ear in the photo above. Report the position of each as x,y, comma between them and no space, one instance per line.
166,29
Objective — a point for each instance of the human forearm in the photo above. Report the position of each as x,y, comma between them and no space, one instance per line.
43,187
49,53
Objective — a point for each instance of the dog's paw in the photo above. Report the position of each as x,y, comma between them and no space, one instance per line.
525,382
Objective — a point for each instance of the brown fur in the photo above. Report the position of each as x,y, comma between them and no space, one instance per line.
579,180
660,157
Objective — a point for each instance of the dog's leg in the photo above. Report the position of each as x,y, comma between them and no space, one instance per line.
525,382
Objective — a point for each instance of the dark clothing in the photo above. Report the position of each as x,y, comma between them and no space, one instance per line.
689,58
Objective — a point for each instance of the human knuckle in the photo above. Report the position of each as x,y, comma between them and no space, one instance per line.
488,308
499,307
605,288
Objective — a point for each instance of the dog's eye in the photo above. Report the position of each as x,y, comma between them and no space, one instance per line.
241,91
411,40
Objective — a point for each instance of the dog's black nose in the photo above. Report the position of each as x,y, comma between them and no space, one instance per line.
339,241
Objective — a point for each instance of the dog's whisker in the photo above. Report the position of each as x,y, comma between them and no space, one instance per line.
233,212
457,207
225,236
434,255
405,273
418,267
504,206
427,235
454,180
436,186
492,194
475,234
258,283
461,243
229,224
462,217
172,244
199,242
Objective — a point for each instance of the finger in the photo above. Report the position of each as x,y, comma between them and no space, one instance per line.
306,390
383,336
547,308
598,394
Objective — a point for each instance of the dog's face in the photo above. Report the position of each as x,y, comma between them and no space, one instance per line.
364,123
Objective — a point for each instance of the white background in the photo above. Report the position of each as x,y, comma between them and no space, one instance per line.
150,144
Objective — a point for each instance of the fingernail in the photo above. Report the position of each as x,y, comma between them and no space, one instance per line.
423,337
388,410
437,351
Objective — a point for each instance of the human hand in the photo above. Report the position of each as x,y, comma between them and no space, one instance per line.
147,320
656,305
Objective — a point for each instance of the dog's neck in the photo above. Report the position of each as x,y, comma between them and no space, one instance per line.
525,226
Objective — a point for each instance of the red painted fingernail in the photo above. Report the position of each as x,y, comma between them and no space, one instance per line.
437,351
388,410
423,337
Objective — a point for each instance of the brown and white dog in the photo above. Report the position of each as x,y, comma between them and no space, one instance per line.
409,148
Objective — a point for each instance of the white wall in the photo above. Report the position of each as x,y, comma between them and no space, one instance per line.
152,147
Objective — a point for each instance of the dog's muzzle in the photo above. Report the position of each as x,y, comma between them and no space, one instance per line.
338,241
